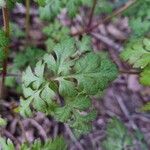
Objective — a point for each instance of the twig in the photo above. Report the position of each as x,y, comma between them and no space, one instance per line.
39,128
129,72
125,111
55,130
10,136
92,13
23,130
12,75
13,125
107,41
141,117
73,137
115,13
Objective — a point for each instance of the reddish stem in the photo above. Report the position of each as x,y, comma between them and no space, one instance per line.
92,12
5,12
115,13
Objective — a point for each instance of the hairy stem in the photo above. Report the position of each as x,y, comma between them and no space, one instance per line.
92,13
27,24
5,12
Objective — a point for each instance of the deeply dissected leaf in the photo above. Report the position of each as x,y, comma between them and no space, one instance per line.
139,15
82,122
137,53
55,33
73,71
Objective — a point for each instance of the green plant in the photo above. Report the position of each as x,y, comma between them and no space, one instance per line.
65,79
9,3
51,8
57,143
137,53
28,57
3,122
139,16
55,33
117,136
63,82
15,31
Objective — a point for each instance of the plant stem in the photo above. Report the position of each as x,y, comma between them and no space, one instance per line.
92,13
129,72
115,13
27,24
5,12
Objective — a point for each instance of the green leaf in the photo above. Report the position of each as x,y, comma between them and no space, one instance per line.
15,31
146,107
137,53
81,102
41,2
89,77
10,82
139,27
84,45
11,3
145,76
117,136
55,33
62,114
67,88
6,144
53,8
57,143
3,40
50,10
3,122
82,122
28,57
74,73
140,138
24,108
139,15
